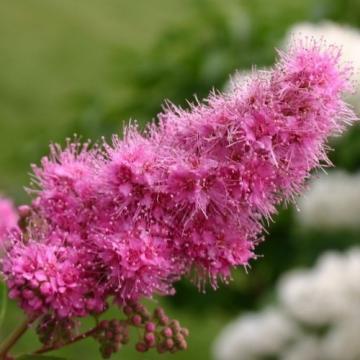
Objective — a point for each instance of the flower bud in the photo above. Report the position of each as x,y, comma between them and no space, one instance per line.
141,347
150,339
150,327
136,320
185,332
127,310
104,324
24,211
176,325
160,348
183,345
179,338
164,320
167,332
159,313
169,343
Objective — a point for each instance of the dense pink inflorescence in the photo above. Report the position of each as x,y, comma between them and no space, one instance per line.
8,218
189,194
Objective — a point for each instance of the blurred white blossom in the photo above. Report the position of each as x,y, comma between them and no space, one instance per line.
254,335
317,316
346,37
342,341
305,348
325,294
332,201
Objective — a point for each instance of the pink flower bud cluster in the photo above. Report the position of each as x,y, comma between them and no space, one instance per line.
55,332
158,331
111,335
128,219
155,331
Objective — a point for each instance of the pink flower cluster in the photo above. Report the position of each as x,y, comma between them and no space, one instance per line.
8,218
189,196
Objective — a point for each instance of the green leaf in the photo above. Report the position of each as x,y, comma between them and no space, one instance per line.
39,357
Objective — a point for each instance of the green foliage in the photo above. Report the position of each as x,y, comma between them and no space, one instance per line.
39,357
347,154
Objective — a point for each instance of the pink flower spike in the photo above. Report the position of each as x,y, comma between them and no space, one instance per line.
190,195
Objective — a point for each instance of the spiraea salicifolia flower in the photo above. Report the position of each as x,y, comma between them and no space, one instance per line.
128,219
332,201
48,278
235,158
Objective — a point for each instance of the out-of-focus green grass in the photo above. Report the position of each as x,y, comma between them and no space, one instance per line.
51,50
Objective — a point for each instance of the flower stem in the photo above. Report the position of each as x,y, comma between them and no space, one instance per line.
14,337
3,305
80,337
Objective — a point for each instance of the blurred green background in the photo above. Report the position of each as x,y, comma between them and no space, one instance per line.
87,67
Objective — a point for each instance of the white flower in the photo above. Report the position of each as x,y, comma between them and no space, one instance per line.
326,297
343,36
305,348
326,294
342,341
254,335
332,201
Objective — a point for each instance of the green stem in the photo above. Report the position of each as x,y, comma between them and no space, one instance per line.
14,337
80,337
3,304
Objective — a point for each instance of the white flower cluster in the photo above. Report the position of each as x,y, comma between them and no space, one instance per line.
332,201
326,294
347,38
317,317
255,335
